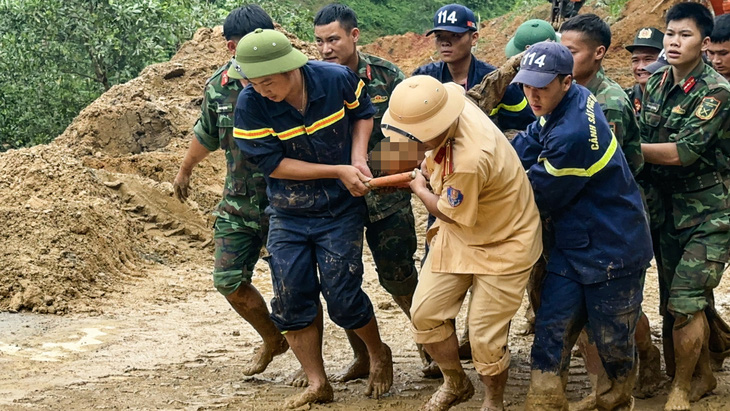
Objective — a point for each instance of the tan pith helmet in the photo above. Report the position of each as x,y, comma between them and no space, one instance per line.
421,108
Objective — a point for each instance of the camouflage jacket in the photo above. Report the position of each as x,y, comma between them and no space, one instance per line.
380,76
244,193
694,114
619,112
635,96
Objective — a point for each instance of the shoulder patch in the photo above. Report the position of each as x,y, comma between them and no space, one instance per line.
379,99
707,108
455,196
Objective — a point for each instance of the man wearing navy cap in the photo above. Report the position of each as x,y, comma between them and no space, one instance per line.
455,32
584,188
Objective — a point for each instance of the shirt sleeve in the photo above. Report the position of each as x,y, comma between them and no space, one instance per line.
513,112
460,197
206,129
357,100
254,133
702,127
527,144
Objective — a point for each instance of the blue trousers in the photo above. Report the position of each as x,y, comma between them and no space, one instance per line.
300,246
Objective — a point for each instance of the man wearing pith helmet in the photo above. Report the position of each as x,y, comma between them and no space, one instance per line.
595,272
486,236
306,124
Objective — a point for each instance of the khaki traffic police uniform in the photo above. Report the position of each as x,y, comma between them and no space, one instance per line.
492,245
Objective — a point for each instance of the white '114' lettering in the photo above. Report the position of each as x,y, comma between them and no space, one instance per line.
530,59
442,18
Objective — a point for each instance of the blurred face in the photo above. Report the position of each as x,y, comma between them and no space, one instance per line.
719,55
683,42
337,45
587,55
543,100
640,58
455,47
275,87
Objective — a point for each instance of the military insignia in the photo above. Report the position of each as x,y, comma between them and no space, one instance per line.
379,99
637,105
687,86
613,127
224,78
678,110
645,34
455,196
707,108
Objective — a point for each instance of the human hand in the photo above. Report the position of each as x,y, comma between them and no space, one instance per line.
362,165
425,171
514,61
181,185
353,180
419,182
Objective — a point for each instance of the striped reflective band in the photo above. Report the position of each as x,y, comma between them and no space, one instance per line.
356,103
584,172
292,132
514,108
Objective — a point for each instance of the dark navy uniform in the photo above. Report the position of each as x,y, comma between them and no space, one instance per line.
314,223
512,112
584,188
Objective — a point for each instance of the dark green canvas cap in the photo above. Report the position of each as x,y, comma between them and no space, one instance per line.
647,37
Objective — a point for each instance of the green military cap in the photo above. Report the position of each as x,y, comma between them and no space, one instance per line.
647,37
529,33
265,52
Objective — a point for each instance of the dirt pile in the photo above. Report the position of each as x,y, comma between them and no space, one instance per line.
87,214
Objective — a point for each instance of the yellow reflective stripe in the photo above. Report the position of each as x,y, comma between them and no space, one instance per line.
358,91
582,172
327,121
292,132
252,134
514,107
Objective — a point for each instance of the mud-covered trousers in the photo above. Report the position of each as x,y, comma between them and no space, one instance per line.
299,247
608,309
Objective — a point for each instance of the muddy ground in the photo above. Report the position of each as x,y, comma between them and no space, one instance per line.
106,300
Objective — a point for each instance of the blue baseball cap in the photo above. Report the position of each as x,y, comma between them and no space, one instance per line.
543,62
454,18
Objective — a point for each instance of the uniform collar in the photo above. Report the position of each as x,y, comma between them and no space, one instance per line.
596,81
687,83
446,74
225,80
314,90
363,67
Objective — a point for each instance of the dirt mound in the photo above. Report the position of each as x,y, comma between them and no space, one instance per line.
419,50
92,211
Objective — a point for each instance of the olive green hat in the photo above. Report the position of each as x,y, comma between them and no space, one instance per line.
529,33
265,52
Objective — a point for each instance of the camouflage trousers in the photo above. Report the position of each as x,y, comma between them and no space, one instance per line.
392,240
692,263
237,249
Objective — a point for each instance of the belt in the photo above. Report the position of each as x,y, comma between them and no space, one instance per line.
686,185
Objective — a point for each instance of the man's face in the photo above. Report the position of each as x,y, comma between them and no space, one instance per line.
544,100
335,44
454,46
640,58
683,42
275,87
586,54
719,55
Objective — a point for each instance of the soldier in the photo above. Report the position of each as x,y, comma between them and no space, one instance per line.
644,51
240,225
683,122
391,232
595,269
455,33
588,39
485,210
307,126
718,51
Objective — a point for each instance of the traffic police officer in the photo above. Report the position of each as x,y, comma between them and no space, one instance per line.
595,270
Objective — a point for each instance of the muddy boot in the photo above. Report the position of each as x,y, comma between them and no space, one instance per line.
616,395
546,393
650,373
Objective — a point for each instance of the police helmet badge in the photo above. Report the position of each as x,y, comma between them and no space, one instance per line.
644,34
455,197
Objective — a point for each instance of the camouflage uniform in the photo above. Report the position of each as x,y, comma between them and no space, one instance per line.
689,203
635,96
619,112
391,232
241,225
